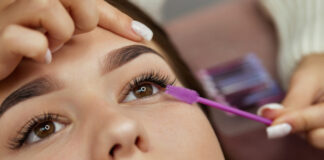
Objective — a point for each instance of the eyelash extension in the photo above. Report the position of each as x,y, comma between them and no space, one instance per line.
23,133
155,77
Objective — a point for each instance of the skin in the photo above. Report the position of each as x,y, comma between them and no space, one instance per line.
97,117
83,99
47,24
303,105
304,102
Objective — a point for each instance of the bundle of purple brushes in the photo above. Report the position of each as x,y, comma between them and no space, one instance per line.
242,83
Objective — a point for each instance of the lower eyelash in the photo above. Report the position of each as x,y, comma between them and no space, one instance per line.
23,133
156,77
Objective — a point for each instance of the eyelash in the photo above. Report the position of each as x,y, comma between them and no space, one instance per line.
149,77
22,136
155,77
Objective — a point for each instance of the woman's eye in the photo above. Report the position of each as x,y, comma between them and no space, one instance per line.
141,91
43,130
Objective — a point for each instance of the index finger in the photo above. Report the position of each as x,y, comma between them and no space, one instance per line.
304,119
120,23
300,120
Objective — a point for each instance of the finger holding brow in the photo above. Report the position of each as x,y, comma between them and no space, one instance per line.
13,47
47,14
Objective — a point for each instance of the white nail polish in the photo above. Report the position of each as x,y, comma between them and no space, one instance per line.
48,57
279,130
269,106
142,30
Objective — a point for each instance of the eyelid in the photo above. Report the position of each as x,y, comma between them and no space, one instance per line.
37,118
21,133
157,74
155,89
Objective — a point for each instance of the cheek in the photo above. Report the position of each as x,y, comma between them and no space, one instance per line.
184,125
64,148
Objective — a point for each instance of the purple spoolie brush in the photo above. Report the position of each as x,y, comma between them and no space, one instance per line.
191,96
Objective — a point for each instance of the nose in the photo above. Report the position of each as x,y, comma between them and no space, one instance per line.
127,137
123,138
110,131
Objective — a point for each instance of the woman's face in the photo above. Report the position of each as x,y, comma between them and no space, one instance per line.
101,98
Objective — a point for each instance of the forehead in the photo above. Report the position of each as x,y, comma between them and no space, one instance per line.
82,53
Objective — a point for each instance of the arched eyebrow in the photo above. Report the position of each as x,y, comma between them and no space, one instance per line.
46,84
37,87
119,57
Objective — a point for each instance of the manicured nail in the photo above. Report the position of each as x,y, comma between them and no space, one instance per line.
269,106
279,130
142,30
48,57
57,48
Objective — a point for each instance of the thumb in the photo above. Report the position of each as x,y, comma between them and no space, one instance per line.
302,93
302,90
301,120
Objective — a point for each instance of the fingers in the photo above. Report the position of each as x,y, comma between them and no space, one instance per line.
304,119
316,138
84,13
300,120
304,110
5,3
270,111
49,25
303,89
13,47
114,20
53,18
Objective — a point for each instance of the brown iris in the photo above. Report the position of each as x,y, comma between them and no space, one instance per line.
143,90
44,129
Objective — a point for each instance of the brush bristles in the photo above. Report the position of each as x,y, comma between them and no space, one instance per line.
182,94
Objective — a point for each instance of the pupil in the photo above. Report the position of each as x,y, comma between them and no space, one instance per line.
143,91
44,129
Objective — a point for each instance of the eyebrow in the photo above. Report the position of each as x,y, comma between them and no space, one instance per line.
119,57
44,85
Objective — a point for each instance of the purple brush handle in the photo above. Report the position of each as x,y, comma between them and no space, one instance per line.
234,111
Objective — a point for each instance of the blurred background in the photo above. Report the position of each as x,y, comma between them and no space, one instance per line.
219,33
176,8
167,10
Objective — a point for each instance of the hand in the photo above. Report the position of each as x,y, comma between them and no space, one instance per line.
34,28
304,104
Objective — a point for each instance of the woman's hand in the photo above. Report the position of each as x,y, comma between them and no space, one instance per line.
303,110
34,28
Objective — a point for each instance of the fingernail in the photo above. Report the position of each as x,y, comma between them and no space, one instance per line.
57,48
48,56
142,30
269,106
279,130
